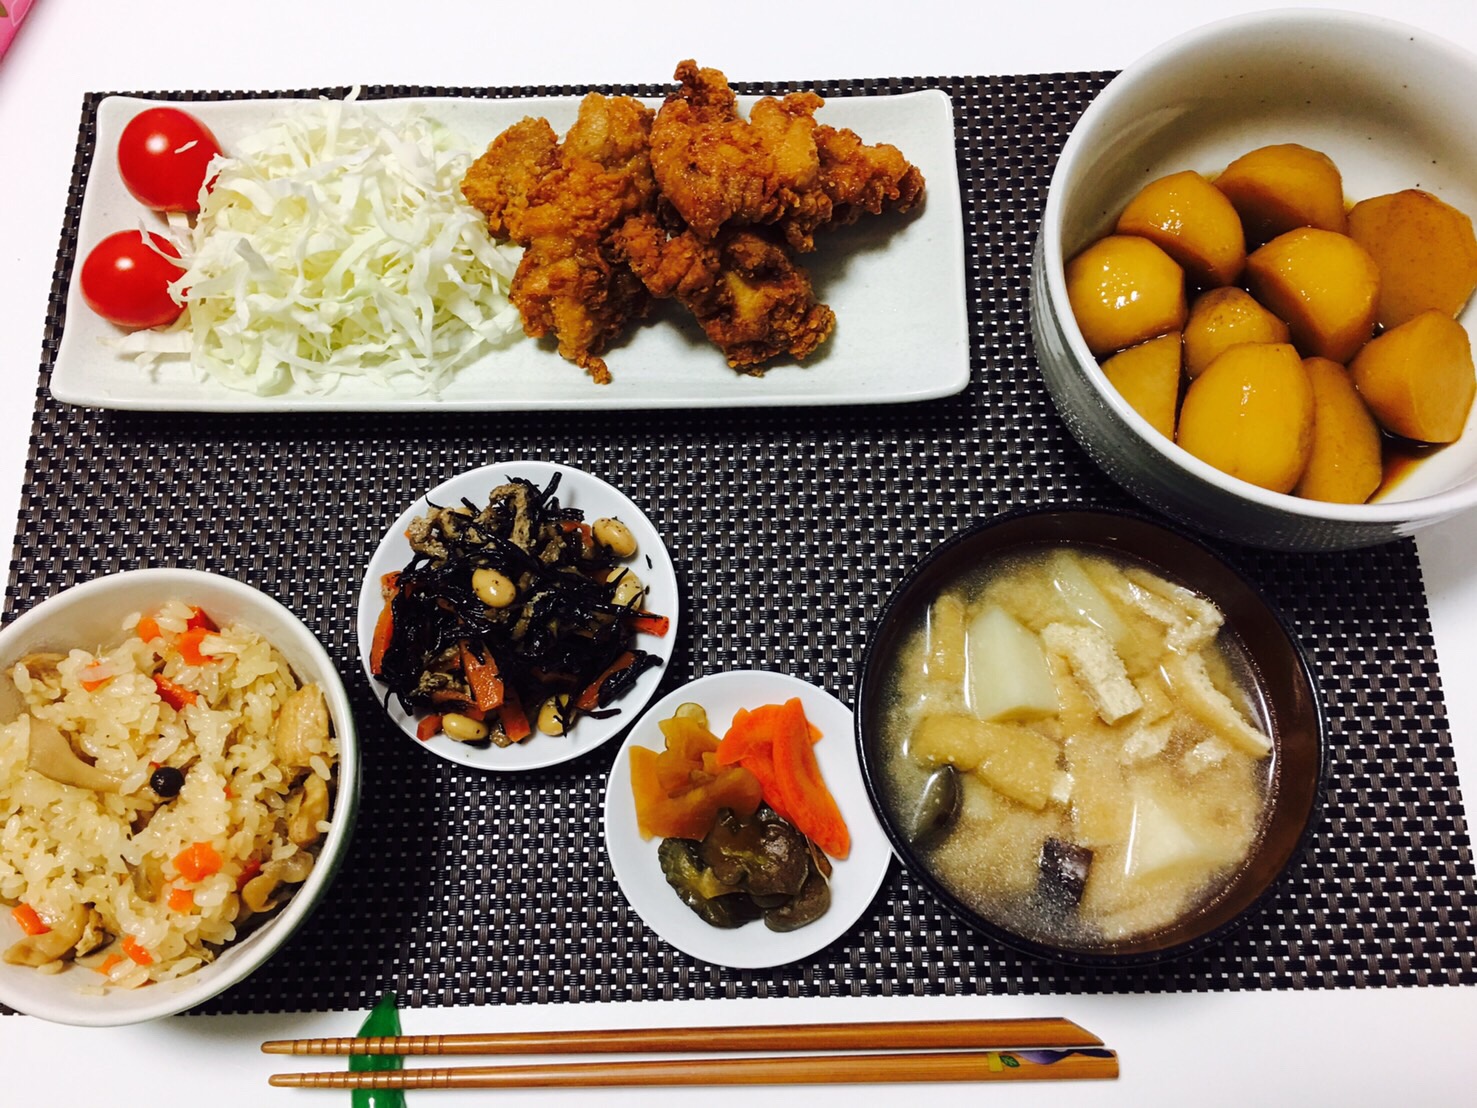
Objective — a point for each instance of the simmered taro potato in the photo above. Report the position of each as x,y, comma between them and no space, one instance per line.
1425,250
1193,222
1277,188
1148,377
1223,318
1418,378
1345,466
1324,285
1250,414
1123,289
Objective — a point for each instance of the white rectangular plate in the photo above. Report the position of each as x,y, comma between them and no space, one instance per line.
896,284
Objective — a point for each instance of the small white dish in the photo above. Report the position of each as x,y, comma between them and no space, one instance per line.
92,613
854,881
595,498
897,285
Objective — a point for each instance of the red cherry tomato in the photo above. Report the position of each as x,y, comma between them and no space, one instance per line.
162,157
126,281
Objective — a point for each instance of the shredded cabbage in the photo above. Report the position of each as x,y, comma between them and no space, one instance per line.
333,245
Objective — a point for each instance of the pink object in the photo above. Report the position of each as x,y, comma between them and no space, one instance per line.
11,14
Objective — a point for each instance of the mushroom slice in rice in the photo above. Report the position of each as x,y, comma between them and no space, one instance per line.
94,935
51,755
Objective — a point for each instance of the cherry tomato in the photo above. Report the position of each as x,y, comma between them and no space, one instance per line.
162,157
125,280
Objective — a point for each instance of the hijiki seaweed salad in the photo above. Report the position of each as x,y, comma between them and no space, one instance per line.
514,611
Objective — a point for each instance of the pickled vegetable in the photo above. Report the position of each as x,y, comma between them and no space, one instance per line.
774,742
691,814
808,905
694,884
766,857
733,863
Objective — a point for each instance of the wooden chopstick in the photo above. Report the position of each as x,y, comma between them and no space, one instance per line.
897,1035
835,1069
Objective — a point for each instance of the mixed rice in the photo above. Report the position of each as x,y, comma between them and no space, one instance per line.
158,797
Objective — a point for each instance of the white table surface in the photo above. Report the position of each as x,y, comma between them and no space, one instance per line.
1347,1047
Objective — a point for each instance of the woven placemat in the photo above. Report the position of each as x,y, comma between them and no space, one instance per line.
787,527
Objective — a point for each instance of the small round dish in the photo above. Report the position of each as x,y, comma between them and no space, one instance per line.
576,490
854,881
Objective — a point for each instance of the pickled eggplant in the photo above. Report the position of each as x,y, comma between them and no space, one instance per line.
748,868
694,884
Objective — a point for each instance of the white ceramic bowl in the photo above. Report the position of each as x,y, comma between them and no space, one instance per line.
1391,105
90,615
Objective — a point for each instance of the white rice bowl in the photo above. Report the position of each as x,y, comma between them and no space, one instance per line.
62,846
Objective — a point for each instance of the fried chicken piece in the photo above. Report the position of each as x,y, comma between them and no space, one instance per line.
855,179
563,203
750,297
714,168
498,184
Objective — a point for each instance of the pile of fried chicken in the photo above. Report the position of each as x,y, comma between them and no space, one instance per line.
691,201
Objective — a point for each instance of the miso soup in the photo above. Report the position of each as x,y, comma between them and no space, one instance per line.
1076,746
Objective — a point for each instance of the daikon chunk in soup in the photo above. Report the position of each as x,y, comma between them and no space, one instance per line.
1076,745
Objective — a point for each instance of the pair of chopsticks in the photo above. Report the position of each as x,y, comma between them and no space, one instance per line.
1046,1049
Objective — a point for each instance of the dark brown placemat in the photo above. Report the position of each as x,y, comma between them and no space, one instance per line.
786,527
